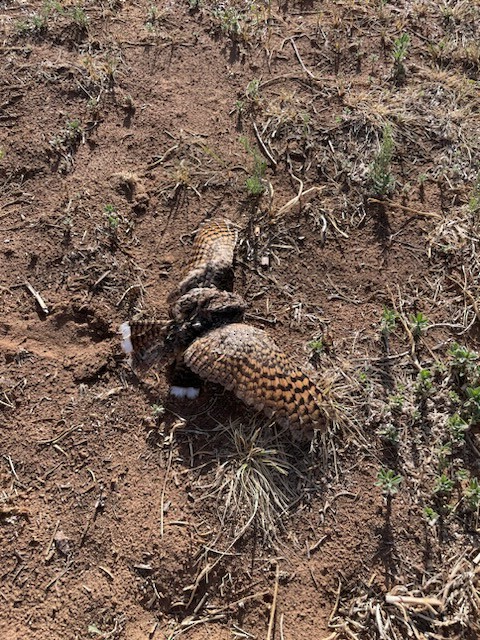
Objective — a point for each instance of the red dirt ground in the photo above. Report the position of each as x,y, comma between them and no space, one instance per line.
109,136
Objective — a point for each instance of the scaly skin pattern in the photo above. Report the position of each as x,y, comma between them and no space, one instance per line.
246,361
141,334
211,260
205,335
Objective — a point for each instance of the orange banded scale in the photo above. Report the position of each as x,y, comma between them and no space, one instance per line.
211,261
246,361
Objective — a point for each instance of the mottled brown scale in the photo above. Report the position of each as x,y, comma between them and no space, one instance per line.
200,310
144,333
246,361
206,337
208,305
211,259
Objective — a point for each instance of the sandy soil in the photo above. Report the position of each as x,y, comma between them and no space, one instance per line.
124,126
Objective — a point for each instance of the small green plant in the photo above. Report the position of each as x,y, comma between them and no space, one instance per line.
230,21
418,324
457,428
306,120
396,402
2,153
472,404
153,17
388,481
381,177
463,362
431,516
255,183
363,377
317,346
444,453
424,383
74,129
252,91
50,6
388,320
462,474
462,356
35,25
239,107
112,217
474,200
425,376
69,138
389,434
38,22
454,398
79,17
255,186
158,410
443,486
22,27
399,53
92,106
400,48
472,495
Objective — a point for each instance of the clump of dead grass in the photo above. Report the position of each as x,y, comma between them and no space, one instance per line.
190,164
445,602
253,485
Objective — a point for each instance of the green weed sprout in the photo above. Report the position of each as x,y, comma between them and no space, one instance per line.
79,17
388,481
316,346
458,428
472,495
112,218
463,363
418,323
153,17
472,405
461,355
431,516
255,183
424,383
443,486
229,20
399,53
381,176
252,90
388,321
389,434
474,200
158,410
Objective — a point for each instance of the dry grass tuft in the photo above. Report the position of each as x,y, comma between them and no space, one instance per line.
255,484
447,602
